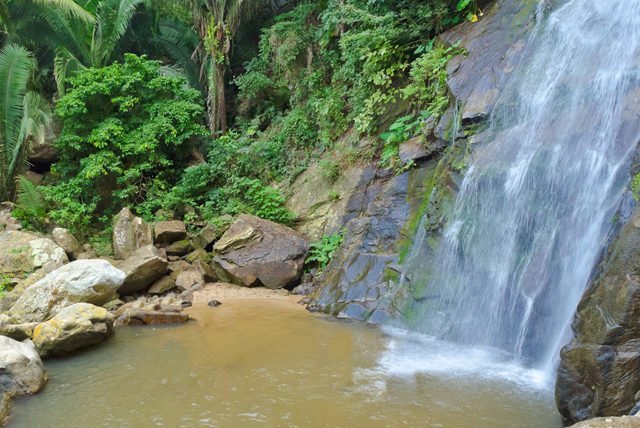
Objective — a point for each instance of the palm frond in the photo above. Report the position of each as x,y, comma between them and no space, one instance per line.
113,18
5,18
68,7
16,68
64,65
179,42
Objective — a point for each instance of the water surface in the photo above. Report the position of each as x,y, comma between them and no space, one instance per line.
272,364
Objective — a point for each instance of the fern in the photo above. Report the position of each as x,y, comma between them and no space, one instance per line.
30,199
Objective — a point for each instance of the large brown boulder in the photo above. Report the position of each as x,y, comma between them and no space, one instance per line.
599,373
78,326
144,267
255,252
129,234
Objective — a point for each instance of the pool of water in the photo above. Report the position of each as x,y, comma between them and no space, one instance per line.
272,364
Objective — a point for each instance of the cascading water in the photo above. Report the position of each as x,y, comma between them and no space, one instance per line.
536,205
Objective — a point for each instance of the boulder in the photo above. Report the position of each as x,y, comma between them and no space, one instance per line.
67,242
599,373
130,233
413,150
179,248
87,281
21,369
7,221
75,327
621,422
161,286
211,233
145,266
167,232
24,252
18,332
206,270
188,279
4,407
255,252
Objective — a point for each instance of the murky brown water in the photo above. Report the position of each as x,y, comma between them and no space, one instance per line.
268,364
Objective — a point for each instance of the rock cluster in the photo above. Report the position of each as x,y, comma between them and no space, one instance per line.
57,307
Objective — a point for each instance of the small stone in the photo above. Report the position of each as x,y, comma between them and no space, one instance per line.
214,303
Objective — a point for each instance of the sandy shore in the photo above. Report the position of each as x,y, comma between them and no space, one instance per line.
222,291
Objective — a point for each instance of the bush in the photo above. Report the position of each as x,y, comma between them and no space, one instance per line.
127,133
228,183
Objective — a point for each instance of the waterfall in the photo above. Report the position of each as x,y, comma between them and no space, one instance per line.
535,208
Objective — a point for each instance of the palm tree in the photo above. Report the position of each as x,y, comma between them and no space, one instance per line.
72,34
23,115
95,44
217,22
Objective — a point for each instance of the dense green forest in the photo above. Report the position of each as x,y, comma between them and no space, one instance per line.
195,109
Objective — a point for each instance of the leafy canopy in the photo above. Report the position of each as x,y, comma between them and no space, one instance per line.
127,134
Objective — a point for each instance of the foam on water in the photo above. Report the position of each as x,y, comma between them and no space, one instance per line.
409,353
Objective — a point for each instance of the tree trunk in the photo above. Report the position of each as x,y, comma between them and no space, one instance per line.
216,103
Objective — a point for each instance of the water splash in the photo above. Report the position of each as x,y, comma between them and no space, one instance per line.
534,210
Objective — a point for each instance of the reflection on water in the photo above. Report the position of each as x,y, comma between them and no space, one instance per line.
271,364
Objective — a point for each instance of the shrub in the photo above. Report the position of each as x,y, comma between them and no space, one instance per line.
228,183
127,132
321,252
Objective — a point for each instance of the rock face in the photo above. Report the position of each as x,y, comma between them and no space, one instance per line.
167,232
24,252
89,281
75,327
384,211
67,242
255,252
21,370
145,266
129,234
599,372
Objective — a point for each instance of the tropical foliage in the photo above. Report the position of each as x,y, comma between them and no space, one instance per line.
23,115
127,133
136,84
